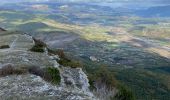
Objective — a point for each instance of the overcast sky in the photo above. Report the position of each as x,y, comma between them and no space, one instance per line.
136,1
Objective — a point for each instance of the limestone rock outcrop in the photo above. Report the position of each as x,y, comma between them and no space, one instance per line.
21,73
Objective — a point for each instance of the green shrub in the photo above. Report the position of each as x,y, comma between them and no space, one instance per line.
58,52
37,49
54,75
104,76
39,46
91,82
69,63
64,60
124,93
49,74
4,46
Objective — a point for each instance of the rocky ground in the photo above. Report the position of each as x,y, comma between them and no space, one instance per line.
21,79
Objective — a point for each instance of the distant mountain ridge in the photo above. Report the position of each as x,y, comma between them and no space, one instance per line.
159,1
157,11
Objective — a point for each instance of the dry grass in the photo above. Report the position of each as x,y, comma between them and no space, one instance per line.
49,74
102,92
161,52
10,70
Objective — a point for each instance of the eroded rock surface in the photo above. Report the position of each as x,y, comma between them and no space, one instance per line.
16,83
19,87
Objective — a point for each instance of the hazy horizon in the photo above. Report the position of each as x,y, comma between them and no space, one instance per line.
123,1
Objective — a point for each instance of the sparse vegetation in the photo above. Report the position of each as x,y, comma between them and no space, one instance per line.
54,75
58,52
64,60
11,70
39,46
49,74
105,86
124,94
103,83
103,75
69,63
4,46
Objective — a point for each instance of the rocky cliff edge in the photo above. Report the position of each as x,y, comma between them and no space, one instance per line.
28,75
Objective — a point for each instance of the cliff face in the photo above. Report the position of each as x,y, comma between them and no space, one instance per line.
36,75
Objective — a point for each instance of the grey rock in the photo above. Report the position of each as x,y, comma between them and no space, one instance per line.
27,86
